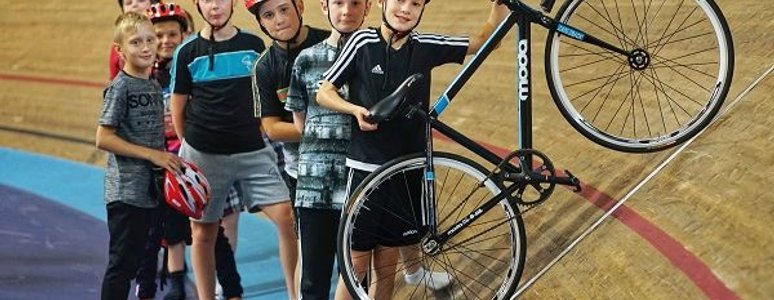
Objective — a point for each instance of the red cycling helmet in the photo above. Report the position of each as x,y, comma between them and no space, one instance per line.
188,191
253,5
160,12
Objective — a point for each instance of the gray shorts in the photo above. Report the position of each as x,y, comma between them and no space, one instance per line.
255,176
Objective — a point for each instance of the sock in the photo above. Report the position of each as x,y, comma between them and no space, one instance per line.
176,286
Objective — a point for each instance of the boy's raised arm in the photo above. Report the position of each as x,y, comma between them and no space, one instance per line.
497,14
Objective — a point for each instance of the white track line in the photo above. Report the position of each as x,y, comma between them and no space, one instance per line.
634,190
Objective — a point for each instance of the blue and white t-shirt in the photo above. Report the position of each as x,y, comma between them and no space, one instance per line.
219,114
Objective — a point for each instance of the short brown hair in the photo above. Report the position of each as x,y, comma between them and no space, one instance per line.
127,23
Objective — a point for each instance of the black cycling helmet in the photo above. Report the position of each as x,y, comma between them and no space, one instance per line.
254,7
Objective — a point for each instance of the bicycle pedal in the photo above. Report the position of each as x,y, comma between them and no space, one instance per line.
574,182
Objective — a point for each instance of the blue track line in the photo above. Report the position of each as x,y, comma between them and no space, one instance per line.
80,187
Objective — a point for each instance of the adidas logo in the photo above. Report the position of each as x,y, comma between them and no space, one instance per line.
377,70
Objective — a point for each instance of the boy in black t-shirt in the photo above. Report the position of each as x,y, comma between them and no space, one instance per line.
282,21
221,135
373,63
171,23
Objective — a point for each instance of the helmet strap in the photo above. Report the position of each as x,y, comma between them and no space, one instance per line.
213,29
344,34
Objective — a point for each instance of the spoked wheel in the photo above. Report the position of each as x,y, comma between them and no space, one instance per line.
667,90
483,261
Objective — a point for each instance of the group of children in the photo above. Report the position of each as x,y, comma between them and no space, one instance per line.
224,91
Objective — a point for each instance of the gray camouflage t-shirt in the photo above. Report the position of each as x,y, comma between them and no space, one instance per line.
135,108
322,178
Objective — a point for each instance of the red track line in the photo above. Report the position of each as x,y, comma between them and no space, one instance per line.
39,79
698,272
701,275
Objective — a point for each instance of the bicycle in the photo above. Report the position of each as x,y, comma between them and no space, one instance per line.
469,217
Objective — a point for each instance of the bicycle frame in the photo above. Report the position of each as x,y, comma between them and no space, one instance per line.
523,16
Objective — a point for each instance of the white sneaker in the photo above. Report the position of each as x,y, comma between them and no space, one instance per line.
432,280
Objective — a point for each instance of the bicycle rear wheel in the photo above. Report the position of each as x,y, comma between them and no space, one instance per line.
485,259
667,91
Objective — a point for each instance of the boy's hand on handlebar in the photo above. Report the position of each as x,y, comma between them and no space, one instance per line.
360,114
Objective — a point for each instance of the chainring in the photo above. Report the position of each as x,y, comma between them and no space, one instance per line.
532,165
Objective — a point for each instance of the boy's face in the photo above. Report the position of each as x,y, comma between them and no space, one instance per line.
216,12
346,15
138,48
403,15
169,35
280,19
138,6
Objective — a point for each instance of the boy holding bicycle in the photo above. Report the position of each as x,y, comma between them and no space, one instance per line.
373,64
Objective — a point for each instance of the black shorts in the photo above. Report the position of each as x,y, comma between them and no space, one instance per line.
177,227
391,216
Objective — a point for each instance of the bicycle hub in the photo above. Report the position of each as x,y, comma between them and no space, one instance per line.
639,59
431,246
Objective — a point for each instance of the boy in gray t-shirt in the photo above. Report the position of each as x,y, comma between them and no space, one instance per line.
131,128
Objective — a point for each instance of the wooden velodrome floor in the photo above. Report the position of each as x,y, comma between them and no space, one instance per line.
700,228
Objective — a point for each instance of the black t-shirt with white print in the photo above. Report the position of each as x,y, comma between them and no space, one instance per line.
271,80
364,65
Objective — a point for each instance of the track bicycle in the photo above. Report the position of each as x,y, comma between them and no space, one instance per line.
634,76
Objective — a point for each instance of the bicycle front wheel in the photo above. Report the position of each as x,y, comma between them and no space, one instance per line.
669,88
483,261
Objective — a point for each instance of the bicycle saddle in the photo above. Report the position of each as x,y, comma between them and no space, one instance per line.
385,108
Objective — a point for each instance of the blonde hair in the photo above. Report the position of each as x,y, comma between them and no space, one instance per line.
127,23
